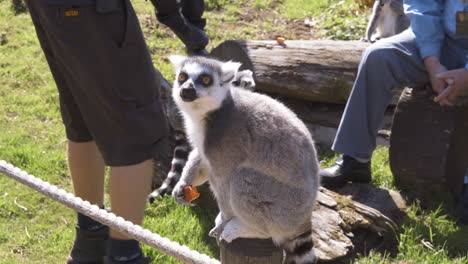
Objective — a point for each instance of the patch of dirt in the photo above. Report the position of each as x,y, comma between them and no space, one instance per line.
269,24
290,28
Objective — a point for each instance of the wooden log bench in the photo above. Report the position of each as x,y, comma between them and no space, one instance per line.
312,70
429,144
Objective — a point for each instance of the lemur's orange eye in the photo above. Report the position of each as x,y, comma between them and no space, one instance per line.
182,77
206,80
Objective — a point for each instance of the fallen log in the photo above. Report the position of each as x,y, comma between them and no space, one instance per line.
314,70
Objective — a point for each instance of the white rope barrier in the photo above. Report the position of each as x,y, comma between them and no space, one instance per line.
145,236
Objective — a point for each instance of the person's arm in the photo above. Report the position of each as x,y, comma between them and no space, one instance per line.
426,18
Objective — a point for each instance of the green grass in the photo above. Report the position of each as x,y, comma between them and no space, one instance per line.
35,229
300,9
433,223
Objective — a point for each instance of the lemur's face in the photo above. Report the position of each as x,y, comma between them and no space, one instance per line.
201,83
195,81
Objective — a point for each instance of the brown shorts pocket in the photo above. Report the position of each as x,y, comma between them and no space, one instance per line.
113,20
147,123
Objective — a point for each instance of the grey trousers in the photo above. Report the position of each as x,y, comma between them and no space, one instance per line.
387,64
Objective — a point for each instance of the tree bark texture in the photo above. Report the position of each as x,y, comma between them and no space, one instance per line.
429,144
313,70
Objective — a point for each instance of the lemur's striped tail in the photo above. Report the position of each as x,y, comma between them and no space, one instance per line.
181,151
300,250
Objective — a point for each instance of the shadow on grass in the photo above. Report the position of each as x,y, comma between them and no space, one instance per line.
432,218
18,7
206,211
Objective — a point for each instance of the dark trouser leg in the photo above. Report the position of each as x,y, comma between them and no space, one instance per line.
389,63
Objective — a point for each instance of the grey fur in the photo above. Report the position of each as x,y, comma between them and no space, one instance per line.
244,80
258,157
387,19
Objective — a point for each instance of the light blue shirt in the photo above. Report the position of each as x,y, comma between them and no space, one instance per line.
432,21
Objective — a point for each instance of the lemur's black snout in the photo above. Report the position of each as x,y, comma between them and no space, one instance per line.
188,94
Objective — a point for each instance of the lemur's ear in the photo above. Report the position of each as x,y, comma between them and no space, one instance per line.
229,69
177,60
248,72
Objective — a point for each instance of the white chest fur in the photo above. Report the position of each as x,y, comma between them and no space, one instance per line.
196,133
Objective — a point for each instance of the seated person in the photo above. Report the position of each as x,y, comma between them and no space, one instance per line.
434,49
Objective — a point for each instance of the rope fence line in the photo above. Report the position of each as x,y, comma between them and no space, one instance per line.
145,236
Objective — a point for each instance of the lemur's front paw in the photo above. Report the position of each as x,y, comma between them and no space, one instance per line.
178,193
216,232
228,235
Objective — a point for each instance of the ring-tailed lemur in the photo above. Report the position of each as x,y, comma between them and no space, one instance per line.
257,155
387,19
244,79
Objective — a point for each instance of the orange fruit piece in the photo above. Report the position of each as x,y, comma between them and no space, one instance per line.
190,193
280,40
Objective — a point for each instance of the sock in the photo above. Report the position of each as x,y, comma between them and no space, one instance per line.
87,223
361,160
123,249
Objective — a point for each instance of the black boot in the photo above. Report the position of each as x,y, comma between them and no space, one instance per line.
139,260
344,170
89,246
461,207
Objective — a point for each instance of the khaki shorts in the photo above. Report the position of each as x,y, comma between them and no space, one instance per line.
108,87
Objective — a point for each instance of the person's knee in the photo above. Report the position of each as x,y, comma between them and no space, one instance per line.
377,56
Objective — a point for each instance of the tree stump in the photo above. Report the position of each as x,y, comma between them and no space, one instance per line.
314,70
429,144
355,219
250,251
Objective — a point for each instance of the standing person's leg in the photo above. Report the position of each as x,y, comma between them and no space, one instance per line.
85,162
389,63
87,170
129,189
110,94
168,12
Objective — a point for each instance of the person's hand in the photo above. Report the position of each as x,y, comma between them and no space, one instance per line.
434,67
457,81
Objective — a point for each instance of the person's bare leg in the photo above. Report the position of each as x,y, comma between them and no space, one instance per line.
87,170
129,189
